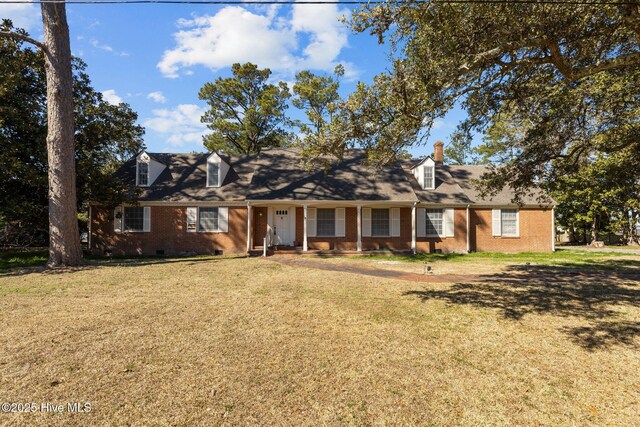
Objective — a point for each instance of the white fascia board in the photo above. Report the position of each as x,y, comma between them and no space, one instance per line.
333,203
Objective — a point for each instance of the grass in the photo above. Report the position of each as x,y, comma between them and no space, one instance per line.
233,341
17,259
549,258
492,263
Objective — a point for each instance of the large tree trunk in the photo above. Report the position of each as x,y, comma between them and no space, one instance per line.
64,243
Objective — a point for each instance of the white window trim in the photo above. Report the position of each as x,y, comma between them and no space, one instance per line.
429,185
388,220
146,220
148,163
223,217
335,225
200,230
219,163
517,232
426,217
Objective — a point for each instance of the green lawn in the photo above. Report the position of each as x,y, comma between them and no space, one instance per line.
15,259
549,258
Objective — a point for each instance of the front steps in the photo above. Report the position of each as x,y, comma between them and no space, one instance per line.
290,250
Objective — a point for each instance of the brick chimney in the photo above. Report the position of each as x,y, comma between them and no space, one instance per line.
438,151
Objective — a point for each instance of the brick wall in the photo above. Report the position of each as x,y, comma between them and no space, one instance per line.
350,240
168,233
535,232
457,243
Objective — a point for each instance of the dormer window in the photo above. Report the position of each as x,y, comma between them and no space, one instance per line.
429,177
217,169
213,174
143,174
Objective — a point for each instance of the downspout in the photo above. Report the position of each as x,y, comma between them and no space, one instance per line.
553,229
468,229
413,228
248,227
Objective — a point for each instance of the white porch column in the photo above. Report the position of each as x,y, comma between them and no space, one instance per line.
305,246
468,229
413,228
248,227
359,208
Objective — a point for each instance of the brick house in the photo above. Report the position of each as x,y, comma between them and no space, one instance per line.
213,203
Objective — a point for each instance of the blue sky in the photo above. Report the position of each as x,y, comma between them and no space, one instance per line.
156,57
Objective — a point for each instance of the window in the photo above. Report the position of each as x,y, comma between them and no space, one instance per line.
134,218
208,220
435,222
213,174
379,222
326,222
143,174
509,222
428,177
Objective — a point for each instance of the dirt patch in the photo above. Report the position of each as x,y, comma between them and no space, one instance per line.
297,261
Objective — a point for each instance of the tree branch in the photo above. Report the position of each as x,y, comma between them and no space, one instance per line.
13,35
621,61
555,57
631,18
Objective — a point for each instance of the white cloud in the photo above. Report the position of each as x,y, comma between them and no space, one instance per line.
235,34
95,43
181,126
26,16
110,96
441,124
158,97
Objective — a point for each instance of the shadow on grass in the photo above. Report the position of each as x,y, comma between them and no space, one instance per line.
22,259
93,262
594,296
602,335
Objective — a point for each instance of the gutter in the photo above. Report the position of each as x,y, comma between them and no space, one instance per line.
468,229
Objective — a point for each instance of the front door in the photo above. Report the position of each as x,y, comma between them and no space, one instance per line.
282,226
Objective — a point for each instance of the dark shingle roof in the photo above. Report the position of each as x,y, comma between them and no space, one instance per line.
281,175
185,178
446,191
466,175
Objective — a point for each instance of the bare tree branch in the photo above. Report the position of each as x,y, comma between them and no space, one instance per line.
14,35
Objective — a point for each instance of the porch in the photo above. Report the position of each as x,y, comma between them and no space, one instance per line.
331,228
289,250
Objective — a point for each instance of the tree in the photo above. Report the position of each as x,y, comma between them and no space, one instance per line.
601,196
324,131
64,236
246,113
597,197
105,135
571,72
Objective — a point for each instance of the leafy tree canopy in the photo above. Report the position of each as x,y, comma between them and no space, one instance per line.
326,129
105,135
570,73
246,112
